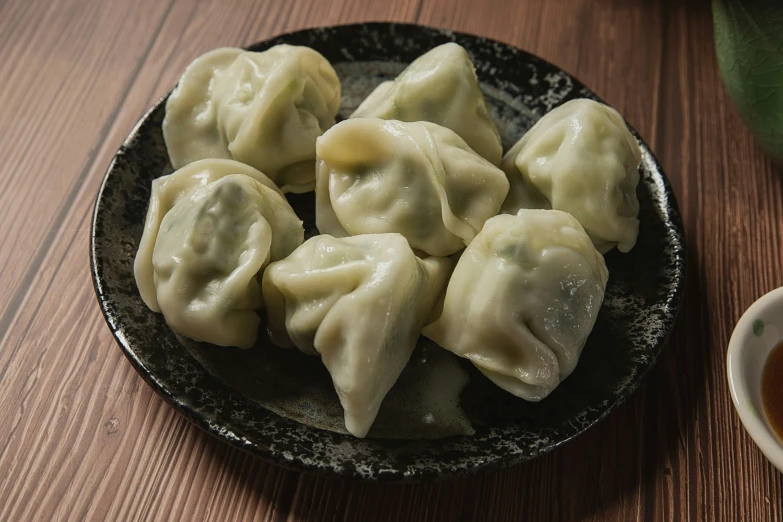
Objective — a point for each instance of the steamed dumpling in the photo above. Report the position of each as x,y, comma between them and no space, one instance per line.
522,300
580,158
166,192
440,87
264,109
417,179
360,302
210,248
190,127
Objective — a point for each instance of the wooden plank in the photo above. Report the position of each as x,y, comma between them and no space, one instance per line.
64,84
82,437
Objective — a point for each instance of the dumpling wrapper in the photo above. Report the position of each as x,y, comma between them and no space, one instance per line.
522,301
190,127
418,179
360,302
441,87
582,159
265,109
166,192
210,250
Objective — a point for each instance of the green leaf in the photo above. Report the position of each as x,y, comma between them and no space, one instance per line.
749,45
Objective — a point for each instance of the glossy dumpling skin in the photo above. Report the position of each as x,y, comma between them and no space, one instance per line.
582,159
360,302
190,127
522,300
210,249
417,179
166,192
440,87
265,109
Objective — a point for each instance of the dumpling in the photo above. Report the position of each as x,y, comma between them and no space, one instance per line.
440,87
522,300
360,302
210,249
190,127
417,179
580,158
166,192
264,109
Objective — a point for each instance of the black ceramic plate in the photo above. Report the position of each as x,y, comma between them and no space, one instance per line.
221,390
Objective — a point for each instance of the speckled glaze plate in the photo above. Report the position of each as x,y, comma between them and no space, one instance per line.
227,392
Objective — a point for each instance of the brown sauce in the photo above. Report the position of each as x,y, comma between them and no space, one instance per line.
772,388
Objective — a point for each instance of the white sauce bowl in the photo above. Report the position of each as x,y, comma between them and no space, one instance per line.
758,331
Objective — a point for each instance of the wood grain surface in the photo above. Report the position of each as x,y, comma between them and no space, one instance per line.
83,438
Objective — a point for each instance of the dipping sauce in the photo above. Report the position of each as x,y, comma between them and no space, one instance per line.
772,388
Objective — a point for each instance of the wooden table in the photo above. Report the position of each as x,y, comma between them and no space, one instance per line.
82,436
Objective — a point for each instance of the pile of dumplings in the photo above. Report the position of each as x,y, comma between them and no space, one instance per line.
426,228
